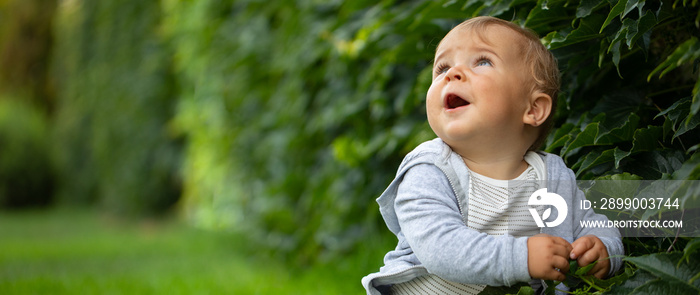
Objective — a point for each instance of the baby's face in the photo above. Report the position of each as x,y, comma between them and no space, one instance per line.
480,88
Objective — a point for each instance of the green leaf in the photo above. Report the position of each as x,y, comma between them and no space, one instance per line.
558,143
586,30
636,280
678,115
616,185
572,279
621,133
690,123
621,176
676,273
526,290
585,8
688,192
631,27
497,7
686,52
643,25
695,107
604,45
655,189
619,156
582,271
594,159
541,17
661,286
653,164
632,5
615,280
646,139
690,249
675,111
643,140
690,169
551,287
561,137
618,9
585,138
616,43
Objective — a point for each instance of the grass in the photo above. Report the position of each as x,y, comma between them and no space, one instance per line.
64,251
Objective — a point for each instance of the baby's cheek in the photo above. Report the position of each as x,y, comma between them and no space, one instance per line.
433,99
432,90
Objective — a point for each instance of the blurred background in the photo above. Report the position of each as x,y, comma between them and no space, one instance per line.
266,129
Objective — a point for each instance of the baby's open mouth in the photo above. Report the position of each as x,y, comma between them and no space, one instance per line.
453,101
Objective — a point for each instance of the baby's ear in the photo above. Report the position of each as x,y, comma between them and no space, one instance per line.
539,109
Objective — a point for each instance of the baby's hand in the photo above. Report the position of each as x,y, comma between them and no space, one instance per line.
588,249
545,254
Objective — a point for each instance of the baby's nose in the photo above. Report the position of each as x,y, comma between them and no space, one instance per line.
454,74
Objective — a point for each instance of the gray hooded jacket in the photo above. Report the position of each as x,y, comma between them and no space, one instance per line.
426,204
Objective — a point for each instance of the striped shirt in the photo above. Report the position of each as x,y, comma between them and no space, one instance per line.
496,207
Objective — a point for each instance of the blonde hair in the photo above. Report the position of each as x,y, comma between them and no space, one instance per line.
542,64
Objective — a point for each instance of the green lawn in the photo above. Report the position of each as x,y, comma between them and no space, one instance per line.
83,252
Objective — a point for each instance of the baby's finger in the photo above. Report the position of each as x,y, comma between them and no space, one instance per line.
560,247
561,263
564,244
561,252
588,257
599,271
580,247
554,275
561,241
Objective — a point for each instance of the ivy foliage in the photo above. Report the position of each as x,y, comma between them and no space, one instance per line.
647,129
298,113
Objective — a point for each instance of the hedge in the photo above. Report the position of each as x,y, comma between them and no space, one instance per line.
298,114
294,115
112,143
26,176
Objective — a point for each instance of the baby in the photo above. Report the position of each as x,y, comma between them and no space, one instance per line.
459,204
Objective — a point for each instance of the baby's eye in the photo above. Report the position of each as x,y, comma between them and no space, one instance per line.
484,62
441,68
